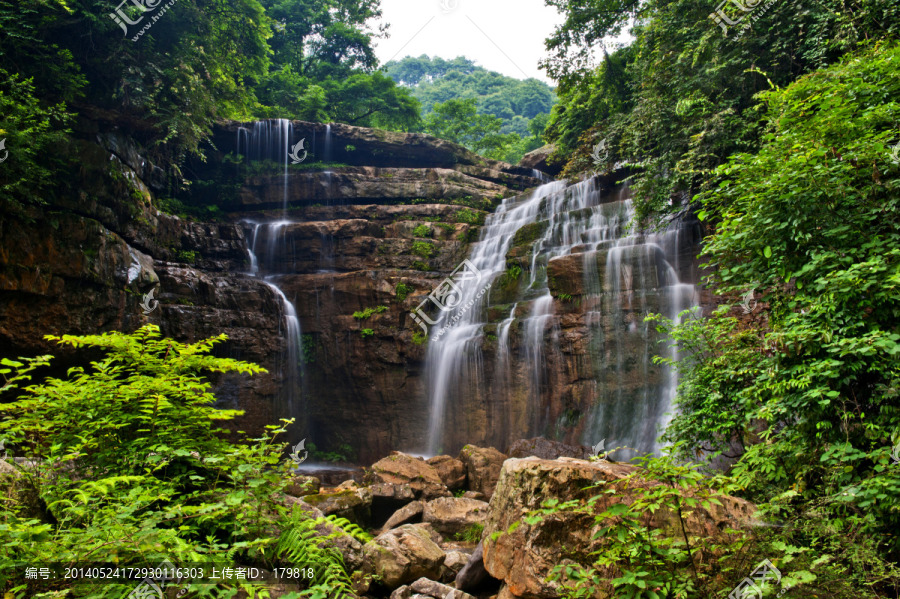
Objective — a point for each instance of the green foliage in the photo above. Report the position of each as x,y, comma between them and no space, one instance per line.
523,107
422,231
364,314
418,338
302,545
343,453
459,121
682,97
308,348
422,248
403,290
187,256
807,398
125,460
649,562
365,333
470,217
35,148
470,534
419,265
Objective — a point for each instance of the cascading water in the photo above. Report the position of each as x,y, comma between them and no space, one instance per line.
268,140
271,140
625,396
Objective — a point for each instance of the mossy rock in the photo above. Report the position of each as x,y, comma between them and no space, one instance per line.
530,233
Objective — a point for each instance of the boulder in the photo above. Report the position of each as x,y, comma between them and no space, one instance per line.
300,485
547,449
525,483
538,160
482,467
400,468
475,495
352,502
430,588
402,555
454,515
473,576
451,471
409,513
387,499
454,562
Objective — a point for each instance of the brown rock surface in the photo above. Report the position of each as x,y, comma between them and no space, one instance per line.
483,466
451,471
524,558
403,555
453,515
401,468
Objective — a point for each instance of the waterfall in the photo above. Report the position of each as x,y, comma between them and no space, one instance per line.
268,140
624,397
292,369
271,140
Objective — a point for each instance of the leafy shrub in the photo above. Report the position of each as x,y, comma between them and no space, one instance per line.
365,333
422,231
422,248
403,290
125,460
469,217
364,314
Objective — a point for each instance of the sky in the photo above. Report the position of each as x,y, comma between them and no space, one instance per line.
501,35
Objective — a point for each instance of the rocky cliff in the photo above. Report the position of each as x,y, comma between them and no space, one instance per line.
380,223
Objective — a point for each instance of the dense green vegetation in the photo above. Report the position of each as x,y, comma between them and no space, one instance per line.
127,465
682,97
201,60
785,142
495,115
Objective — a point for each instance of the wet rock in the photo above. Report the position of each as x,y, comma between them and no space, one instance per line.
473,575
402,555
451,516
409,513
400,468
300,485
451,471
482,467
547,449
353,503
431,588
453,563
525,483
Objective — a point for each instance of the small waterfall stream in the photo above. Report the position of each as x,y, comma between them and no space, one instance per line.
626,398
271,140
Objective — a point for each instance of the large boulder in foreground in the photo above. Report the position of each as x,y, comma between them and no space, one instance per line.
400,468
525,557
453,515
403,555
482,467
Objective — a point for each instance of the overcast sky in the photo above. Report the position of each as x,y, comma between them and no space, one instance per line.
501,35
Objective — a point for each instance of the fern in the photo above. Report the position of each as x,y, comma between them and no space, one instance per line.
303,546
349,528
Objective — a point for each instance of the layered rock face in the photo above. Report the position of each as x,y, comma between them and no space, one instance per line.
369,223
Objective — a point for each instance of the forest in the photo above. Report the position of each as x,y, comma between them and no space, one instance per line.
774,129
